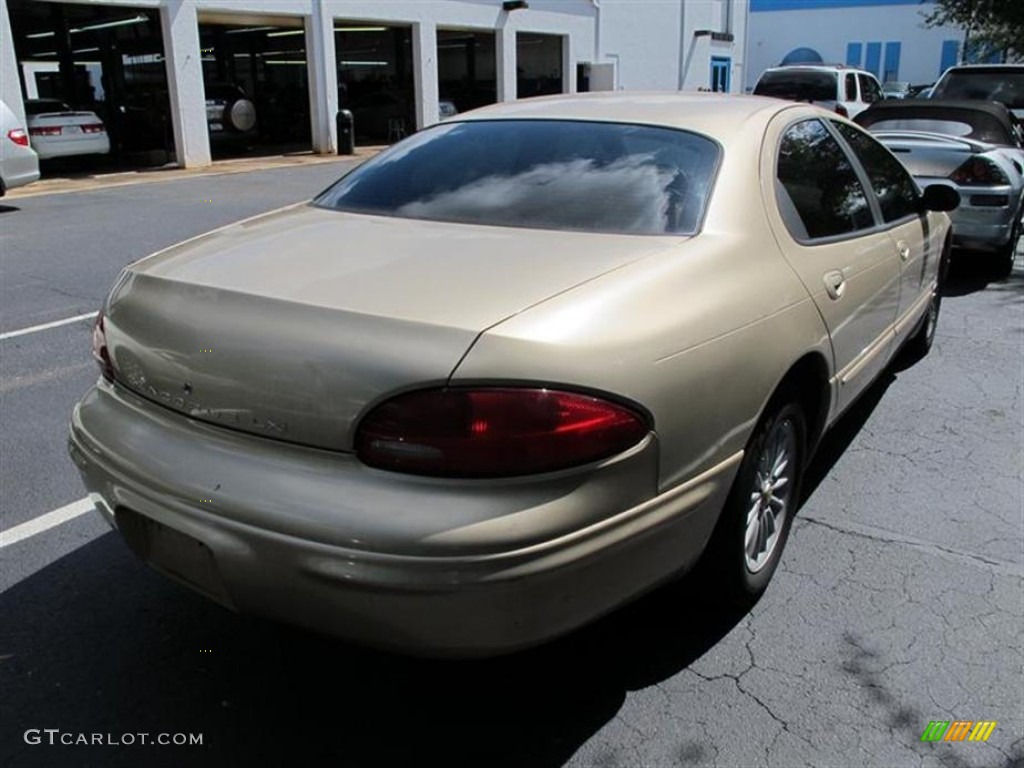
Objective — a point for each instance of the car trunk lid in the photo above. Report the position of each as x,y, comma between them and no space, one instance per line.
291,325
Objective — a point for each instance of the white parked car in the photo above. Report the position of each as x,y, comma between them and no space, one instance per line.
842,89
57,130
19,164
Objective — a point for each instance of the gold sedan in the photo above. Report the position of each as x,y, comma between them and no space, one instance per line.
514,371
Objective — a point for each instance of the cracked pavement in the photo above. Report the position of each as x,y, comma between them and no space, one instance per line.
900,598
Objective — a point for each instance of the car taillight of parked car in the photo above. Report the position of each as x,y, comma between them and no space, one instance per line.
842,111
978,172
494,432
100,353
45,130
93,128
18,136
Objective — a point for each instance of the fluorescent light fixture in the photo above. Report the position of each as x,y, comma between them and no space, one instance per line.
84,50
364,63
360,29
248,29
287,33
106,25
46,53
134,20
281,53
282,61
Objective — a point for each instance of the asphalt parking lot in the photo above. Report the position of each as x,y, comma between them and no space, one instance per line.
900,598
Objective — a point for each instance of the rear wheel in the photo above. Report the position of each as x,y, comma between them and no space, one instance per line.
747,544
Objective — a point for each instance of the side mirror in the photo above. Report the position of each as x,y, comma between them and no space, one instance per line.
939,197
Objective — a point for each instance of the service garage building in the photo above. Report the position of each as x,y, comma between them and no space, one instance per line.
187,81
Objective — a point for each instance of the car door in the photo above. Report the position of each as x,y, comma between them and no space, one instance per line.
917,243
828,232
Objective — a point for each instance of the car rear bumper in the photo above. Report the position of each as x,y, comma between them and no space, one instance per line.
985,218
420,565
83,144
19,168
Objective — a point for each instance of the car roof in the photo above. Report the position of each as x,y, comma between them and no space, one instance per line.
986,68
818,68
713,114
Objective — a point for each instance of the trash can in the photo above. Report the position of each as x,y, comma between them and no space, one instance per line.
346,132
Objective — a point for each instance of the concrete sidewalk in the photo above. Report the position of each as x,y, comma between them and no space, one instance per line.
85,182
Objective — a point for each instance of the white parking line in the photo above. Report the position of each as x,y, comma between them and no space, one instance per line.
46,522
46,326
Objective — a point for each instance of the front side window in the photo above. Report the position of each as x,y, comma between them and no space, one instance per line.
896,190
544,174
819,193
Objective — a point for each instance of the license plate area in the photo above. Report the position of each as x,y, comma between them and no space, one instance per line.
173,553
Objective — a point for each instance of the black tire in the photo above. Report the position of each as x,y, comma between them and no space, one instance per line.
1006,255
727,561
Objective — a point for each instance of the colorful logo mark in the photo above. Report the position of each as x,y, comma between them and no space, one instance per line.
958,730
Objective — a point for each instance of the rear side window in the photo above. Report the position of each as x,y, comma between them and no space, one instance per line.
797,85
896,190
819,193
851,86
542,174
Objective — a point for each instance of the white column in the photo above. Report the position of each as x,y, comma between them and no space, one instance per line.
322,63
10,85
180,28
424,54
568,65
505,51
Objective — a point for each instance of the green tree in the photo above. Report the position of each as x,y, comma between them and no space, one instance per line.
996,23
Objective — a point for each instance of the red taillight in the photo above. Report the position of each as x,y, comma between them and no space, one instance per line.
18,136
979,172
494,432
841,110
92,128
99,348
45,130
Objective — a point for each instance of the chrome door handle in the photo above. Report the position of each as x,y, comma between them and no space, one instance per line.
903,249
835,284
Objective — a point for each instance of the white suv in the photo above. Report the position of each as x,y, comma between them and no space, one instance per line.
846,90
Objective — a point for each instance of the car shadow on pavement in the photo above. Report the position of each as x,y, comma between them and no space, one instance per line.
970,273
8,208
95,643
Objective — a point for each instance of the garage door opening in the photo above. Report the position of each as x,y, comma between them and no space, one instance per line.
257,86
375,79
538,65
95,84
466,68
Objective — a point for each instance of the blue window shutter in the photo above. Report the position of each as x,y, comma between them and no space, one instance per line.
950,49
891,71
873,59
853,53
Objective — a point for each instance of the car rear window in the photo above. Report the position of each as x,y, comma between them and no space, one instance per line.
985,84
546,174
42,106
797,85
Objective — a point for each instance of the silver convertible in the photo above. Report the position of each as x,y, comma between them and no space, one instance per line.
512,372
977,148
